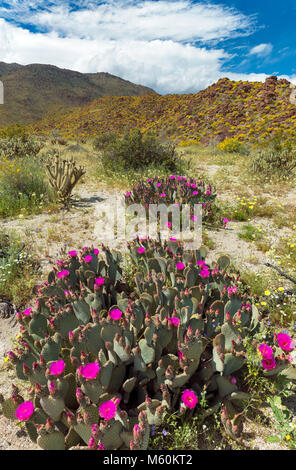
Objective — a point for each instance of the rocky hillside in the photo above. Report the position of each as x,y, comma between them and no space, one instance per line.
31,91
245,110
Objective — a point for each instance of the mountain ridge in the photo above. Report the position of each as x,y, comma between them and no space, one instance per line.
31,91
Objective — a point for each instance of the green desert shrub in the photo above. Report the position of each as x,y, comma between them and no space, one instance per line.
19,147
273,164
136,150
102,141
24,189
18,269
14,130
277,158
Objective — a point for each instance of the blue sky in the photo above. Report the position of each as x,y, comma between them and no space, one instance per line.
173,46
275,25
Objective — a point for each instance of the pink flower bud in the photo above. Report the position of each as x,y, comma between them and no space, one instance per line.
92,443
71,336
52,388
12,357
79,395
133,445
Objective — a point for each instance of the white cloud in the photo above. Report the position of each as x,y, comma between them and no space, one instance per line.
180,20
147,20
262,50
167,66
146,42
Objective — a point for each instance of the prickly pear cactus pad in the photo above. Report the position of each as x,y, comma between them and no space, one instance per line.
104,360
175,190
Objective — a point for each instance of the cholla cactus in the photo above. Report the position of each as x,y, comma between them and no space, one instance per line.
63,176
104,363
19,147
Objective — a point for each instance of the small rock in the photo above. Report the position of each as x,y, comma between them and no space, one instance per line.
6,309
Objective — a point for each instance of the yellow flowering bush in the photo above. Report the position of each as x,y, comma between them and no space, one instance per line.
231,145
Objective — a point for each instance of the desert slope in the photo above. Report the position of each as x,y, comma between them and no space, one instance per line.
246,110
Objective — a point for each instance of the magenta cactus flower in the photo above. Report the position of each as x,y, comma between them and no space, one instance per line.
63,274
285,342
57,367
175,321
115,314
268,363
72,253
89,371
96,251
180,266
88,259
204,273
24,411
27,312
265,351
107,410
99,281
141,249
201,263
189,399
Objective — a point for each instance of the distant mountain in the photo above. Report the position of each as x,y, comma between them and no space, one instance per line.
32,91
246,110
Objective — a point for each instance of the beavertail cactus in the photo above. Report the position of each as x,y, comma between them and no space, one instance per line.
104,361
